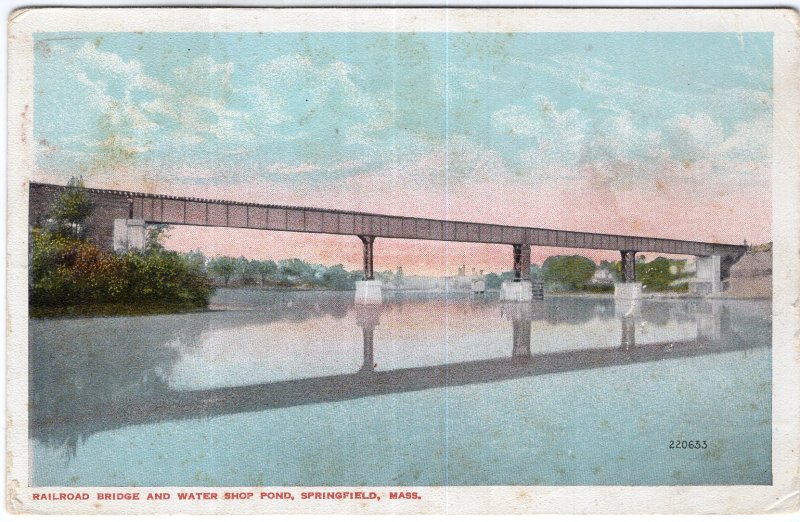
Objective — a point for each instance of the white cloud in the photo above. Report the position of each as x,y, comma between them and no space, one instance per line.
111,64
693,138
514,121
292,90
750,141
145,113
559,137
283,168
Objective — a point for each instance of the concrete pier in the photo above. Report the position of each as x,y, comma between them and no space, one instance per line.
708,276
369,292
129,234
520,314
627,291
520,291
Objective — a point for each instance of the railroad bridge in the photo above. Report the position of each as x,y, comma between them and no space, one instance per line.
119,219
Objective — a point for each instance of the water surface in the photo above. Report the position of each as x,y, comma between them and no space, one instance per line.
305,388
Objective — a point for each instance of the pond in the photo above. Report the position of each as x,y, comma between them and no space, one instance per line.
308,389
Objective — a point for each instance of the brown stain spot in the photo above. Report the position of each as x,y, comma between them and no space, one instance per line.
96,505
637,225
24,127
660,185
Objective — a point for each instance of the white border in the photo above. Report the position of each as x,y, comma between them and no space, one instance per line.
780,497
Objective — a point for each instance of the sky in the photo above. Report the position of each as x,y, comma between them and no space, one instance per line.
657,134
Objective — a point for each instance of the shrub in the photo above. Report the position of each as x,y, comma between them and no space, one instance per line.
69,271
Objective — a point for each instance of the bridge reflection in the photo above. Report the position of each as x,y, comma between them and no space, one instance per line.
75,401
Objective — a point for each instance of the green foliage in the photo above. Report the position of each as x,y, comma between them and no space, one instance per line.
155,234
267,270
247,271
614,267
196,260
337,278
294,270
223,267
494,281
66,270
289,273
568,272
71,209
660,274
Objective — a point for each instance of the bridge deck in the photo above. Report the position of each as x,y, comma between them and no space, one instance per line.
173,210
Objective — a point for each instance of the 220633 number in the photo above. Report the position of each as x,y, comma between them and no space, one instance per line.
688,444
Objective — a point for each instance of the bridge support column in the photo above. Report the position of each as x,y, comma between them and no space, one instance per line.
629,289
367,317
628,340
520,315
368,291
129,234
521,288
709,320
708,276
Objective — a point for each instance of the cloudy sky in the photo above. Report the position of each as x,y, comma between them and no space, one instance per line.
650,134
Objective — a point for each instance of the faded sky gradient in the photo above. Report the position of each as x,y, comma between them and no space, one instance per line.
661,134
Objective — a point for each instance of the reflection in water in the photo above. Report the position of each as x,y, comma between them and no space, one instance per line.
122,379
94,375
367,317
520,315
628,332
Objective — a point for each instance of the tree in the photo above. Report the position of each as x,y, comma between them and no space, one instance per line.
266,270
336,278
297,270
196,260
246,270
71,210
570,272
399,276
656,275
155,235
223,267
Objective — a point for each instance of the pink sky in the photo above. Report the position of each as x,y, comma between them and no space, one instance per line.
677,205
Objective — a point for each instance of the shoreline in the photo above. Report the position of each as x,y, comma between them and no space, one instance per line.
145,309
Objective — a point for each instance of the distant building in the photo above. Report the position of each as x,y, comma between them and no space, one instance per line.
603,275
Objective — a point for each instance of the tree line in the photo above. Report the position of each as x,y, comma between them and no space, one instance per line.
575,274
288,273
558,273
